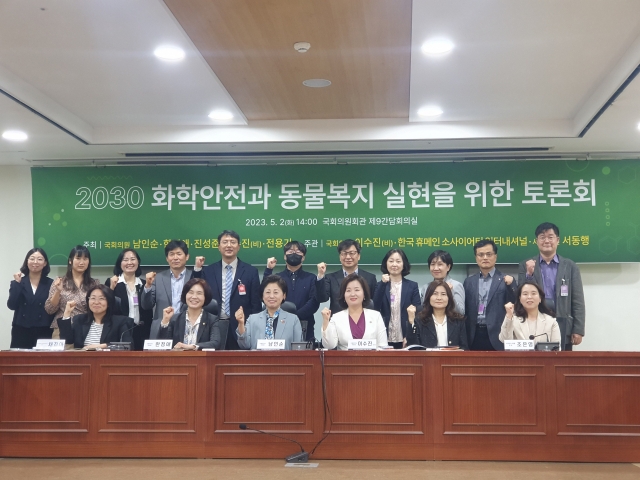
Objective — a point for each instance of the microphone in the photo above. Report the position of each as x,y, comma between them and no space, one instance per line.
129,329
531,337
545,347
302,457
122,346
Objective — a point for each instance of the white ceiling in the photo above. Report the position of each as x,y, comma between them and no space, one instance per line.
524,73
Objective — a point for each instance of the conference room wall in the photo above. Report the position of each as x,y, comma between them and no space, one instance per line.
612,290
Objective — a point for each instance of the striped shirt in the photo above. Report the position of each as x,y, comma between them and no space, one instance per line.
95,332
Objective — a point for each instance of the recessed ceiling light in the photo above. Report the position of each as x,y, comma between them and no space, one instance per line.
169,54
316,83
15,135
436,47
221,115
430,111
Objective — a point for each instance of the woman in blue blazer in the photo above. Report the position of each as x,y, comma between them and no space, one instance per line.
27,294
394,294
272,322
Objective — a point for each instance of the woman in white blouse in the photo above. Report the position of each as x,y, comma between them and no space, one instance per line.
438,324
529,319
355,322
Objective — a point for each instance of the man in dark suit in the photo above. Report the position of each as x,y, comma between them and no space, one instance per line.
486,294
560,279
301,285
234,283
328,286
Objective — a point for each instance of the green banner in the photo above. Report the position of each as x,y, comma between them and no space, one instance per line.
419,207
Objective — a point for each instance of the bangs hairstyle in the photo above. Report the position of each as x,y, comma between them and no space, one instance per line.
117,269
229,233
172,245
518,308
294,243
343,288
68,283
442,255
277,279
427,309
111,303
25,267
193,282
543,227
406,266
348,243
484,243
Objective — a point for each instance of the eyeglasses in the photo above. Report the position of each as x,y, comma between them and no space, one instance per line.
97,299
485,255
352,254
550,238
233,243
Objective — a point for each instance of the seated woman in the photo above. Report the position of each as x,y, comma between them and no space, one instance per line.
272,323
440,264
193,328
394,294
355,322
438,324
99,326
532,319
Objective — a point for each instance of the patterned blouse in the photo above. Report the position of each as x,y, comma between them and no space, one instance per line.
77,294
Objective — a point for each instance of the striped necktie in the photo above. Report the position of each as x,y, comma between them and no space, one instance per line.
228,284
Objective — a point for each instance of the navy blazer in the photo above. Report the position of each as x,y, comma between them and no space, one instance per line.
28,307
425,335
329,288
208,331
77,329
409,295
302,294
250,302
499,295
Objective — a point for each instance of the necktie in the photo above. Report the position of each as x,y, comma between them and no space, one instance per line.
228,284
268,332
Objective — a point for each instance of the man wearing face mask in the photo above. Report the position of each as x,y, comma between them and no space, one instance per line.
301,285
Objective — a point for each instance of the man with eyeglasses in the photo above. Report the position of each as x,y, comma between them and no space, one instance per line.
301,285
560,279
486,294
328,286
234,283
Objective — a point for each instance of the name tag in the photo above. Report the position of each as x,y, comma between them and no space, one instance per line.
519,345
564,290
158,345
481,309
46,345
362,344
242,290
265,344
135,299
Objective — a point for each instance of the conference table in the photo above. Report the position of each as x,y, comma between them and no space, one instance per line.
394,405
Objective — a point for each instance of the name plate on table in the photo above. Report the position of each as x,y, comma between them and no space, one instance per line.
362,344
158,345
265,344
519,345
46,345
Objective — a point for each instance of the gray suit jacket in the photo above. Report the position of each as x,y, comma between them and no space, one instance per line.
159,296
289,329
570,307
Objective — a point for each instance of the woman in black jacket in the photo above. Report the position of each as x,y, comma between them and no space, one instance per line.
27,294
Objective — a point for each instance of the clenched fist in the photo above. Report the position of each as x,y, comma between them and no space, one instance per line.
385,278
151,276
509,309
68,309
240,315
322,269
508,279
167,313
271,263
18,277
531,266
199,262
411,312
113,281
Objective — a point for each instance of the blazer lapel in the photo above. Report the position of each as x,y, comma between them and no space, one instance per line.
495,283
105,332
167,285
560,274
239,273
282,322
204,322
28,291
431,328
404,293
451,326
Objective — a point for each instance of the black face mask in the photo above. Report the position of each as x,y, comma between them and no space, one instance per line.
294,259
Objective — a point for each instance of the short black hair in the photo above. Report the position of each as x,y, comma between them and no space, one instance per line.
519,309
484,243
294,243
25,267
343,289
277,279
173,244
117,269
406,266
111,303
543,227
347,243
208,295
442,255
229,233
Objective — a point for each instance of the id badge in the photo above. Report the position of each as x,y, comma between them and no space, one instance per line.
481,309
393,298
242,290
135,299
564,290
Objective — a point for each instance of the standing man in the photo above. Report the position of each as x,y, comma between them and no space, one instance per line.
486,294
301,285
560,279
164,289
328,287
234,283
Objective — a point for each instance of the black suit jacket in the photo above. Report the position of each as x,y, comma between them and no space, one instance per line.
77,329
250,302
329,288
426,335
141,332
28,307
208,331
499,294
409,295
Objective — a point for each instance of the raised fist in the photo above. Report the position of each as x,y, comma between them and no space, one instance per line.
322,269
167,313
411,312
151,276
508,279
113,281
509,309
271,263
240,315
385,277
531,266
199,262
